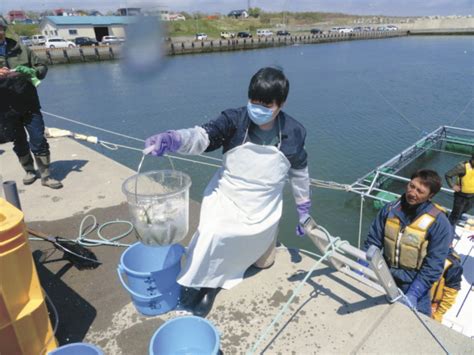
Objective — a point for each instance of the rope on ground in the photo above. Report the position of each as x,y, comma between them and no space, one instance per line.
114,146
110,132
408,302
89,242
333,246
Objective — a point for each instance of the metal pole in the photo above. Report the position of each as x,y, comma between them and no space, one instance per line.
11,193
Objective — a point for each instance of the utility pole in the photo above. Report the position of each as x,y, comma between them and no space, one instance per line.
248,5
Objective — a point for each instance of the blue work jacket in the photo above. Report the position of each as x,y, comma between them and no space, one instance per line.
439,238
229,129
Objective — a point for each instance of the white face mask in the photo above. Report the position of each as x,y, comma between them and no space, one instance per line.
259,114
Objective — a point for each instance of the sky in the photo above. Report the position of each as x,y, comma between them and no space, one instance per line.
360,7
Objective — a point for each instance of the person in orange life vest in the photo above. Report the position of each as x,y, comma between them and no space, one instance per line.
445,290
461,180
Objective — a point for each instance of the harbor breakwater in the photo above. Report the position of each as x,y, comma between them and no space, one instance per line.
112,52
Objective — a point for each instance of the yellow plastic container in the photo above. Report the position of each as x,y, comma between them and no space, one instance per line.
25,327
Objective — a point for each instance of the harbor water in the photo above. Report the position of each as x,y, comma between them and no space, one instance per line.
362,102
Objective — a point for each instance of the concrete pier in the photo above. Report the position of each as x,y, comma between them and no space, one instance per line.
332,314
112,52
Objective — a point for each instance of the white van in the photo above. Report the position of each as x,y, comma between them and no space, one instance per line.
38,40
264,33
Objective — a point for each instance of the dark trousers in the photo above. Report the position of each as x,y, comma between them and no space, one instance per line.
462,203
38,144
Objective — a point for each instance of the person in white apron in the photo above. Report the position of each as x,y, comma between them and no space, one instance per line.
242,203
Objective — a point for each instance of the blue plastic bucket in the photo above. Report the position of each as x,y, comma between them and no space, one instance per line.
151,276
185,335
77,349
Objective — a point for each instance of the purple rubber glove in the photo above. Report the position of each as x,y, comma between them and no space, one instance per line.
161,143
303,214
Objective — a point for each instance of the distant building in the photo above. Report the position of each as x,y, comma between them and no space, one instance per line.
176,17
70,27
129,11
67,12
238,13
16,16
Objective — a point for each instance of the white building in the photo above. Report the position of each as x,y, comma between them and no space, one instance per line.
70,27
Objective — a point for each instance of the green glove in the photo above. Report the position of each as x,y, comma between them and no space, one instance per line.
28,71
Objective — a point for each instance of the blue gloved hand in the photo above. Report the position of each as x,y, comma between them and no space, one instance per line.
303,214
415,292
409,300
161,143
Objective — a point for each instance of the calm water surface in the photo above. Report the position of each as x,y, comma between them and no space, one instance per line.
360,102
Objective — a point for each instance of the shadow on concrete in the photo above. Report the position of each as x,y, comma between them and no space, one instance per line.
62,168
1,151
295,258
75,313
467,261
346,307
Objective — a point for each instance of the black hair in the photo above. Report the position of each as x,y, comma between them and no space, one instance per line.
269,85
429,178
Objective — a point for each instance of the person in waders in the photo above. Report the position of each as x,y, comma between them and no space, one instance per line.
17,61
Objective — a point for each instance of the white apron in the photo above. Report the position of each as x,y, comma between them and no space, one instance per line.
239,218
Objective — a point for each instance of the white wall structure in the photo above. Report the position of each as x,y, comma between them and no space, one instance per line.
70,27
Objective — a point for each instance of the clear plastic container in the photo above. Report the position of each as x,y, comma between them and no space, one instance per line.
159,205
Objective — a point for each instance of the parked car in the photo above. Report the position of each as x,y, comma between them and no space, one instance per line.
381,28
283,33
345,30
26,40
391,28
227,35
244,35
85,41
201,36
315,31
358,29
108,40
368,29
264,33
57,42
38,40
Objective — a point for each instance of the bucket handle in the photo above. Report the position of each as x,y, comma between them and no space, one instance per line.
120,271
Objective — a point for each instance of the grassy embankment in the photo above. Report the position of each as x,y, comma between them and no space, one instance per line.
213,27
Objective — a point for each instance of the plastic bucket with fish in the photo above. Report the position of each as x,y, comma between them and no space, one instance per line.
159,205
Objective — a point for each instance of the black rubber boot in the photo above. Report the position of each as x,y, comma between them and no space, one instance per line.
28,165
204,301
43,162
